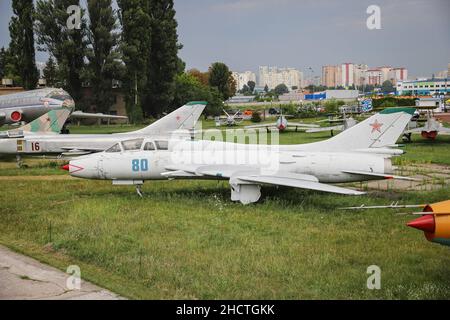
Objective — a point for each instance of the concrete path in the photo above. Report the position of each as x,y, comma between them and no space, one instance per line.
23,278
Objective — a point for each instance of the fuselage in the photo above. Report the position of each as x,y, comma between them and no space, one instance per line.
151,164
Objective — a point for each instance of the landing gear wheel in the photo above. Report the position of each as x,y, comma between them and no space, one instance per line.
407,137
19,161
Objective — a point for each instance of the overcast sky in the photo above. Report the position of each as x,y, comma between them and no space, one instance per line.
306,33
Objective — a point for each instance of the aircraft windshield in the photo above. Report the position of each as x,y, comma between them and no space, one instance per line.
149,146
162,145
60,95
134,144
114,148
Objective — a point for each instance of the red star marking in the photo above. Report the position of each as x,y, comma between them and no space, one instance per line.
376,126
178,118
48,120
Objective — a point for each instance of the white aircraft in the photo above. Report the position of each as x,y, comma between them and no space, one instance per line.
29,105
25,142
229,120
430,130
358,154
282,124
346,124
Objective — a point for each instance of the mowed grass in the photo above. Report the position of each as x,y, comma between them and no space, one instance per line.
186,239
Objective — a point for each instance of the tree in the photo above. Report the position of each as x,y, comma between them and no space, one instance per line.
22,42
203,77
51,73
387,87
281,89
251,85
163,61
66,45
2,62
245,89
102,54
135,47
189,88
9,70
220,77
266,88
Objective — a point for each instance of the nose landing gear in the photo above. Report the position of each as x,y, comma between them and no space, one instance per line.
139,190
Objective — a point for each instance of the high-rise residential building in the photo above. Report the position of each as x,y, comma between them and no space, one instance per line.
374,76
360,74
243,78
442,74
347,74
273,76
398,75
329,76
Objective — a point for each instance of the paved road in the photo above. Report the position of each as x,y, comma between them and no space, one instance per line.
23,278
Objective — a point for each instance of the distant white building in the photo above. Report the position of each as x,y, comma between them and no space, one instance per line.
243,78
274,76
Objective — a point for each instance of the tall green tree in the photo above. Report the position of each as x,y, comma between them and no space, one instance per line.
104,65
251,85
220,77
2,62
135,45
22,42
66,43
281,89
387,87
8,66
51,73
163,63
189,88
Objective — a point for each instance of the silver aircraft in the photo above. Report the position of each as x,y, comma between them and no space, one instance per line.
282,124
29,105
360,153
24,142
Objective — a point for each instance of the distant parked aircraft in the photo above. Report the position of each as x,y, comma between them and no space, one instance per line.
29,105
282,124
229,120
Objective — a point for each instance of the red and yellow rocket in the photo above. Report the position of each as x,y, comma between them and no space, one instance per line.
435,222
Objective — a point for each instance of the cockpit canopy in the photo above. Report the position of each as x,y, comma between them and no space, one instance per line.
138,144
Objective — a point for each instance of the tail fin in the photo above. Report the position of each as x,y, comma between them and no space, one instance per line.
52,121
381,130
184,118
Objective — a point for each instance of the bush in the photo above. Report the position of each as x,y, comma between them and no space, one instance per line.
256,117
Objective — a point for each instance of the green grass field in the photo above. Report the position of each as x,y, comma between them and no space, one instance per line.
186,239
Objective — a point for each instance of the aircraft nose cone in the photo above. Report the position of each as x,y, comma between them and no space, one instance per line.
425,223
66,167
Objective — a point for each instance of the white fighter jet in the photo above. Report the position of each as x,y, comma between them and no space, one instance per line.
347,123
430,130
229,120
24,142
360,153
282,124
